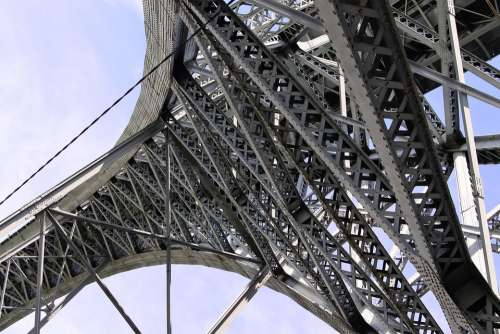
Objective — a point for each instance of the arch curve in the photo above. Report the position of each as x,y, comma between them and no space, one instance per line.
287,285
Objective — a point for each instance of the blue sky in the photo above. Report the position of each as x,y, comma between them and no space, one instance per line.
62,63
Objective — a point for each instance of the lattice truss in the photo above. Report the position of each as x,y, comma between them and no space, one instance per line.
275,148
494,225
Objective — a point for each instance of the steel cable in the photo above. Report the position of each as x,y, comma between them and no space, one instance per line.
95,120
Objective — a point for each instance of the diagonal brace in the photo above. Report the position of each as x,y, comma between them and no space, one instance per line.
154,236
91,270
67,299
250,290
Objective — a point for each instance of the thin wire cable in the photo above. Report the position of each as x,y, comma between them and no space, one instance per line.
85,129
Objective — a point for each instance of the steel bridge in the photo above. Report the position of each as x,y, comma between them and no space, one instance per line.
290,142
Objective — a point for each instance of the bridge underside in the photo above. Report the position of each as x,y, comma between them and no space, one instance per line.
288,286
262,145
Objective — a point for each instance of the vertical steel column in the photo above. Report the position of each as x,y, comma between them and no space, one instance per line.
343,101
450,96
39,279
342,93
469,180
167,227
4,286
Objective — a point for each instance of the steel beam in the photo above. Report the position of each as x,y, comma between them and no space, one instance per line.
460,86
4,286
204,163
167,222
152,235
291,13
265,144
259,126
92,271
244,298
487,148
266,82
389,104
445,50
216,232
53,311
41,268
468,175
273,236
407,24
11,241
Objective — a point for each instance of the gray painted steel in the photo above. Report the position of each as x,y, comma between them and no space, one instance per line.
291,136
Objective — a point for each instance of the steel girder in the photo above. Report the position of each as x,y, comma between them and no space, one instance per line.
287,225
272,170
311,65
254,207
408,25
355,228
301,16
180,255
368,47
494,225
247,52
305,13
430,38
354,146
61,233
244,41
250,290
276,240
129,209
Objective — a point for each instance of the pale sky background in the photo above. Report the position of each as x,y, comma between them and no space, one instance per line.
61,63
